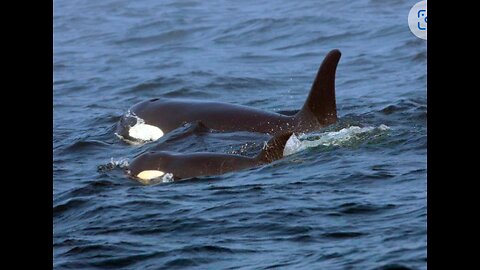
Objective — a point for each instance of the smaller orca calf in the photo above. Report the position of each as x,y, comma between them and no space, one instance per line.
151,119
156,165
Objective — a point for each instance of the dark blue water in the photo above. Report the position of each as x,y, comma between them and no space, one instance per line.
356,202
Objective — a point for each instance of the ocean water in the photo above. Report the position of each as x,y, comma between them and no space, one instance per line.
350,196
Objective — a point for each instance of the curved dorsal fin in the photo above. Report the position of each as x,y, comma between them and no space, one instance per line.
321,100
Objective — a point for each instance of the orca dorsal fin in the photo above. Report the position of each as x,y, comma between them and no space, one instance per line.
321,100
273,149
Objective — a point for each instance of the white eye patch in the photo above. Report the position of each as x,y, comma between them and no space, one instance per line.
150,174
150,177
145,132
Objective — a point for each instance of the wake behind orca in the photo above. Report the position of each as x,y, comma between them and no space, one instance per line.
150,120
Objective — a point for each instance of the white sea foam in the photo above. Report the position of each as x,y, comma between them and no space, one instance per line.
333,138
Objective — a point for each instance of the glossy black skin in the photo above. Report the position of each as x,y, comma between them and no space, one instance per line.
191,165
169,114
204,163
318,111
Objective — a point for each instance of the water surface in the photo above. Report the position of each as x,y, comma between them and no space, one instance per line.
350,200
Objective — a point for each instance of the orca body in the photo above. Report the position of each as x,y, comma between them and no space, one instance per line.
150,166
150,120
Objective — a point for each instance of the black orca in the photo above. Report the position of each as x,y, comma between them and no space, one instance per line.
149,120
153,166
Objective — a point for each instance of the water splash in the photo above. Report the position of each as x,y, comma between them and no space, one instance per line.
342,137
121,163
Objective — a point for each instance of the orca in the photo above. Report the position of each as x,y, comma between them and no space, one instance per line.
150,120
156,166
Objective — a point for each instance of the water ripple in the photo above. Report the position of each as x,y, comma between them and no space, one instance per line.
356,200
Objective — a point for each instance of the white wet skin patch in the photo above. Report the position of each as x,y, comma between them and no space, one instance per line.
141,131
149,177
150,174
145,132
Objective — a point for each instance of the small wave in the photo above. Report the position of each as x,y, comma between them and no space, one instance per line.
91,188
206,248
181,262
157,83
420,57
324,39
231,83
361,208
393,267
70,204
186,92
340,235
171,36
405,105
120,163
82,145
302,238
124,261
342,137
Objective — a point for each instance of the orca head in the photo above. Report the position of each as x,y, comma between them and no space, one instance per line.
133,129
150,167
